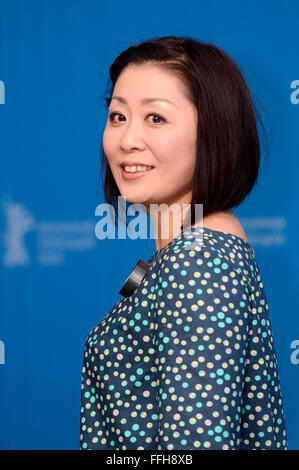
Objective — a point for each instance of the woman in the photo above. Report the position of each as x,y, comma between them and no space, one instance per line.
187,361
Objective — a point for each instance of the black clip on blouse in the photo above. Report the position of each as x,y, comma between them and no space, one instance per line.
134,279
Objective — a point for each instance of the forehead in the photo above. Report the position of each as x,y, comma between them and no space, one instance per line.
139,82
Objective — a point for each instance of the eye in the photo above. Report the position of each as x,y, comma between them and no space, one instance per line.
161,118
111,116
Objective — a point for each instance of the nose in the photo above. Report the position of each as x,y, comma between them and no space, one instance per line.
132,136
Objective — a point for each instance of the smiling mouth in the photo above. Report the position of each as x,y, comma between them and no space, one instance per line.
136,168
137,171
131,175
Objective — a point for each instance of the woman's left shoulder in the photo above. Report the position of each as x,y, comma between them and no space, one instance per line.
210,259
225,221
197,258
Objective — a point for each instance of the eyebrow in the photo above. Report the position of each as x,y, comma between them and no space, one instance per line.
144,100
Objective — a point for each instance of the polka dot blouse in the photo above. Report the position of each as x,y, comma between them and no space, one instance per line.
188,360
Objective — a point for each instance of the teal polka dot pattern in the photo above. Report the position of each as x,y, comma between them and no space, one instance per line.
188,360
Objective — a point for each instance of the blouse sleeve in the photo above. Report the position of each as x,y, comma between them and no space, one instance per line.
90,413
202,322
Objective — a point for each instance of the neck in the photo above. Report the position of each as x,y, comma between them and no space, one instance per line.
167,220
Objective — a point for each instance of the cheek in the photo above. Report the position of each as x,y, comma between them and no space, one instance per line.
109,144
167,142
176,150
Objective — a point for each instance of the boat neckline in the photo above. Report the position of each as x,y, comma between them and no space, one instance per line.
203,230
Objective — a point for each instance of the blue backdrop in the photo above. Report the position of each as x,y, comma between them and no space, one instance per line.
57,278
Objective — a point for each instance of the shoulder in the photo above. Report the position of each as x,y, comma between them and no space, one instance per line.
204,270
225,221
200,291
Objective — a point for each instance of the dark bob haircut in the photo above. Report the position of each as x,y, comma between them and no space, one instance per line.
228,147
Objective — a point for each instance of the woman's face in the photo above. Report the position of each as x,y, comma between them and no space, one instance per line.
137,132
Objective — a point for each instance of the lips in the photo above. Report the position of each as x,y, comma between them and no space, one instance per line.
134,175
126,163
